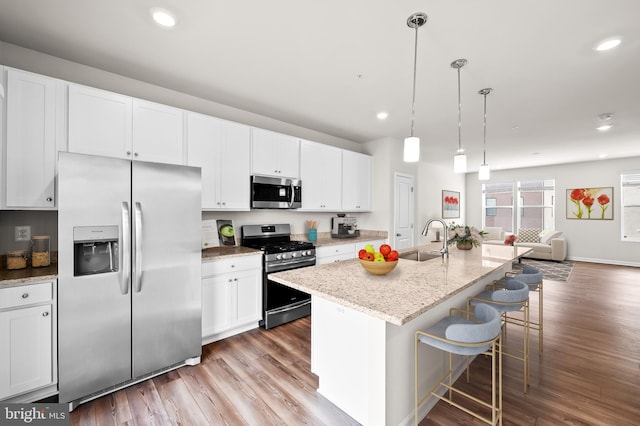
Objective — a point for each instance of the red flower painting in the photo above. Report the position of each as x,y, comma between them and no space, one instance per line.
583,200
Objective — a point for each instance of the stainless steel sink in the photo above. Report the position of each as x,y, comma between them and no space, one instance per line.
419,256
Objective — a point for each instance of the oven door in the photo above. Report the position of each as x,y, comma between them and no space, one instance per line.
283,304
275,193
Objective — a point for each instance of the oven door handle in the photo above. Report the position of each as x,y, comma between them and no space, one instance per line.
284,266
290,307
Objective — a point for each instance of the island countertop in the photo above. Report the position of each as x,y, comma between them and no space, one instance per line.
409,290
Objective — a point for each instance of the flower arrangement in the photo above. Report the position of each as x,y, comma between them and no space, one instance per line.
461,234
510,239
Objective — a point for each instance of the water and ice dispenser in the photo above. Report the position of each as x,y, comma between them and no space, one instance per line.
95,249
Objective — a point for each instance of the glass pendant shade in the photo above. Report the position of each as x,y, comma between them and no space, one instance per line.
411,149
484,173
460,163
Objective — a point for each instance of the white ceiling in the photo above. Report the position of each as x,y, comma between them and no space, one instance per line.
331,65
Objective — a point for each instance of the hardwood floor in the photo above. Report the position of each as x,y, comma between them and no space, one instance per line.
589,373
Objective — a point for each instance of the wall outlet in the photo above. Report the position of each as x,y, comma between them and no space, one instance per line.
23,233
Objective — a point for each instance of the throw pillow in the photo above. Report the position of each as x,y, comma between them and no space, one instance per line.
528,235
545,238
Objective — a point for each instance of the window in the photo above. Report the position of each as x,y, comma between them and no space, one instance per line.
536,207
630,190
497,205
534,200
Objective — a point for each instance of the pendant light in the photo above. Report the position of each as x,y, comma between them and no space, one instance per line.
460,159
484,172
412,143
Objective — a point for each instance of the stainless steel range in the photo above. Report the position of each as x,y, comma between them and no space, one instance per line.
280,303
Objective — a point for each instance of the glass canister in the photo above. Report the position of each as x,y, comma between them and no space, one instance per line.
40,252
16,259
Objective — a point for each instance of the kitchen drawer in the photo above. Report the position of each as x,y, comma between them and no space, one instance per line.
334,250
14,297
239,263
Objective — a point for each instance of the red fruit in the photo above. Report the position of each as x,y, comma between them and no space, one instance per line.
369,257
362,253
392,256
385,249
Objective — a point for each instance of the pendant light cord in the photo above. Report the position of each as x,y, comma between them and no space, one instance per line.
484,137
415,65
459,116
485,92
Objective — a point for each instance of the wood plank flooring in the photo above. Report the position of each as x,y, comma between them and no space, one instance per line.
589,373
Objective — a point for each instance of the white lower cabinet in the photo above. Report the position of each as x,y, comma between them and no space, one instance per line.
339,252
335,253
28,349
231,296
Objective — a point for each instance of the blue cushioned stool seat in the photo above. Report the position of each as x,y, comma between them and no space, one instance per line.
507,296
472,334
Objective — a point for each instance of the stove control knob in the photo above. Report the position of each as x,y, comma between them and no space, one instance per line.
278,256
285,255
295,254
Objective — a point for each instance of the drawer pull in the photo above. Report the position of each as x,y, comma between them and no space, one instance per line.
45,314
25,295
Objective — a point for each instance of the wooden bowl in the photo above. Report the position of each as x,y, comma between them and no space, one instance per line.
378,268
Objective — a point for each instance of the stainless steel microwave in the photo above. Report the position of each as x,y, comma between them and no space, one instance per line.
275,193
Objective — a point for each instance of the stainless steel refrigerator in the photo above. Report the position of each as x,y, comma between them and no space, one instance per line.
129,266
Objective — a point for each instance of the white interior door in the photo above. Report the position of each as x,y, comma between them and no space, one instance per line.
403,211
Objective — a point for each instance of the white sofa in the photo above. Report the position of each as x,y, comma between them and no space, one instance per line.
552,245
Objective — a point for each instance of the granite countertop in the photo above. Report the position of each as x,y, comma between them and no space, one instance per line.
215,253
409,290
13,277
325,238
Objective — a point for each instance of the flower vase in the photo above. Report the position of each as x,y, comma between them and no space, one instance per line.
464,245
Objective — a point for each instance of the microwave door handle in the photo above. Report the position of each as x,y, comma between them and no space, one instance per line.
293,194
125,263
137,253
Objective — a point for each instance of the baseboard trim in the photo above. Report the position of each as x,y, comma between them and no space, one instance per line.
604,261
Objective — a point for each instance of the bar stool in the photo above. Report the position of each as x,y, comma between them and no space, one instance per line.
506,296
533,277
465,336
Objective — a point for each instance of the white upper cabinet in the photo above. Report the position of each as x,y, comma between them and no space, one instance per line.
357,173
321,174
222,149
31,140
99,122
157,133
274,154
114,125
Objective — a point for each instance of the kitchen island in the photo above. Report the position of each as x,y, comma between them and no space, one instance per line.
363,325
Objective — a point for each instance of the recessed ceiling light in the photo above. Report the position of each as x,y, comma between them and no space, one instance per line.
163,17
608,44
382,115
604,127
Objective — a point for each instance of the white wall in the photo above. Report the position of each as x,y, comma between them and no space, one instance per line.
588,240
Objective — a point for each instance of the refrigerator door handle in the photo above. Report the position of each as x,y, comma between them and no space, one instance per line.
137,251
125,274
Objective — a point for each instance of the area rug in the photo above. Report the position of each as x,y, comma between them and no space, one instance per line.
556,271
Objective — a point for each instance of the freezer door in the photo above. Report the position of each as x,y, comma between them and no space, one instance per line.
94,311
166,265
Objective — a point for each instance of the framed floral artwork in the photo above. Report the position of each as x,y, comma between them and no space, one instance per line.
590,203
450,204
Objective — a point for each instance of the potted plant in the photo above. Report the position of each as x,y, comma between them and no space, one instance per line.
465,237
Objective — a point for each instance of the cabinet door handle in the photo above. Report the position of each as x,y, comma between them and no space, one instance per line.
49,199
45,314
128,152
25,295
